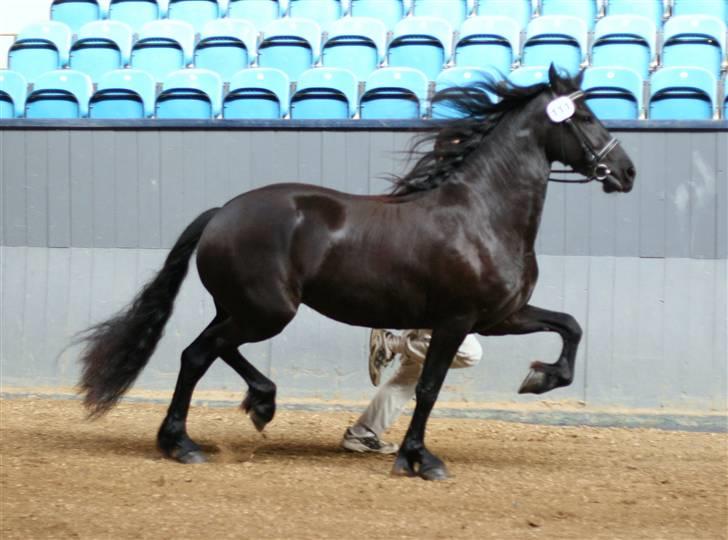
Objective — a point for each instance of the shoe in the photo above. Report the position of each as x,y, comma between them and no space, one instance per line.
380,354
367,443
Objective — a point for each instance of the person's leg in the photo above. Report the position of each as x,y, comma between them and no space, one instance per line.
389,401
469,353
391,398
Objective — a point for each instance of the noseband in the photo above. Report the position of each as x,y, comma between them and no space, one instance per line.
561,111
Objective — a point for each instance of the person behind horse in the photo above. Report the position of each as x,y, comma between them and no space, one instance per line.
392,397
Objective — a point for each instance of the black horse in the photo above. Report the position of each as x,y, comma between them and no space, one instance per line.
451,249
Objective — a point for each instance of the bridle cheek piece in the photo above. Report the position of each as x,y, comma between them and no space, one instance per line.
561,111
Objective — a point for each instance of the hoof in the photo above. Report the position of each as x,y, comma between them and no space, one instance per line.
260,413
534,383
402,467
435,473
258,422
192,458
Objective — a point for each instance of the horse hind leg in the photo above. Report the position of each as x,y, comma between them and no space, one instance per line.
260,401
172,438
258,325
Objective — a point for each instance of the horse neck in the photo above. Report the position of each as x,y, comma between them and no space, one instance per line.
509,174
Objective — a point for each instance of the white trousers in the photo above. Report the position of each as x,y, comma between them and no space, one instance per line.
392,397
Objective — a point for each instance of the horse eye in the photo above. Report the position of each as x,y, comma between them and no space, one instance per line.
587,118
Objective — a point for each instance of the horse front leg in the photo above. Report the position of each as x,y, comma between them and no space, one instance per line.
529,319
413,458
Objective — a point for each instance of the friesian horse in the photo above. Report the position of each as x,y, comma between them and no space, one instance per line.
451,249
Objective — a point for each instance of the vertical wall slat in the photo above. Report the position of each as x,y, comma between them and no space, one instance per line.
650,189
193,180
238,163
14,191
380,161
126,189
59,189
172,153
149,190
629,217
703,192
104,189
310,159
678,193
357,166
333,173
82,212
36,166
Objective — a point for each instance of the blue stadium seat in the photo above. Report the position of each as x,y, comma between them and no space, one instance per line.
422,43
355,43
195,12
682,93
324,12
75,13
520,10
715,8
488,42
163,47
394,93
226,46
614,93
453,11
694,40
135,13
325,93
390,12
124,93
558,39
62,93
586,10
290,44
528,76
625,40
258,93
40,48
259,12
461,77
652,9
190,93
101,46
13,88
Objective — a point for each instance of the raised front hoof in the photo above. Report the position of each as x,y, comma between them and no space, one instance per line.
260,410
542,378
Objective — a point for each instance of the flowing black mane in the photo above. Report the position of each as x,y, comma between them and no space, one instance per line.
457,138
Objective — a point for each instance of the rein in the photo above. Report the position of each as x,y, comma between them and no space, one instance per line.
560,111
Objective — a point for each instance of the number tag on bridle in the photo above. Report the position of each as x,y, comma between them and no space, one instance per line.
560,109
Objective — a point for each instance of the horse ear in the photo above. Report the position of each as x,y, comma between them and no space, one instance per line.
554,78
579,79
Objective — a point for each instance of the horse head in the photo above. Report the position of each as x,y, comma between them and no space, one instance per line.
577,138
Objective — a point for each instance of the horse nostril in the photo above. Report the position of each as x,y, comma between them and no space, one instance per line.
631,172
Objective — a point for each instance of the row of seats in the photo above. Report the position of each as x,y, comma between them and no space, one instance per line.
76,13
333,93
361,44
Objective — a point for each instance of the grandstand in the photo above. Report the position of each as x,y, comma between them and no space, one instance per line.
644,59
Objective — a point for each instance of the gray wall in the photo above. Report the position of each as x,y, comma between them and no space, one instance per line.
88,214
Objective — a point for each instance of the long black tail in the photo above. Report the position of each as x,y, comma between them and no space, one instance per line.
117,350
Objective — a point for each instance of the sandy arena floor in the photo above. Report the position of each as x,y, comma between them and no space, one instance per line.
63,477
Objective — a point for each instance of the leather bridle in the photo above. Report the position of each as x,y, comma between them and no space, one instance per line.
596,168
